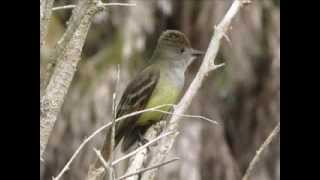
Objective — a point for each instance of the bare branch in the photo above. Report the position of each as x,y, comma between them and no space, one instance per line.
113,129
257,157
102,4
55,82
148,168
62,76
105,164
207,66
74,22
142,147
188,116
114,113
66,167
45,14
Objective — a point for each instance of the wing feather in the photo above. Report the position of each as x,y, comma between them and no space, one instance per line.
135,98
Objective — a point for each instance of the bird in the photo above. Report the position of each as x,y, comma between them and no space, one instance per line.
160,82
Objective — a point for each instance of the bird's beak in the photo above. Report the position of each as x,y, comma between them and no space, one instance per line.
196,53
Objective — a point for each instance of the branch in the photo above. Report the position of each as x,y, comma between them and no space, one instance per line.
45,14
67,62
207,66
114,112
113,128
148,168
92,169
141,152
65,59
94,172
66,167
101,4
188,116
257,157
143,147
103,161
105,164
73,24
77,15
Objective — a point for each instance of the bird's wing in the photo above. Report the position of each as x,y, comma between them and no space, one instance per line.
135,98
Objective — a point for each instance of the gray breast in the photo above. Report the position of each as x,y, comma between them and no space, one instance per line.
176,76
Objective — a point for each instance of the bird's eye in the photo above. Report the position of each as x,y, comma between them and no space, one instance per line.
181,50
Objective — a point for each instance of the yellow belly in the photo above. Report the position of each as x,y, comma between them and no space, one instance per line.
164,93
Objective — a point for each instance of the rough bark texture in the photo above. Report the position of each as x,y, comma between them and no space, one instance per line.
45,14
62,75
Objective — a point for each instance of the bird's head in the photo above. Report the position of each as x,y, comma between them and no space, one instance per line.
174,46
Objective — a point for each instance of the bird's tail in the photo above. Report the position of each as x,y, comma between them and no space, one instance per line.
134,136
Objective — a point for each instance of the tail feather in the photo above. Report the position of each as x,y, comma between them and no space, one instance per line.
129,139
132,137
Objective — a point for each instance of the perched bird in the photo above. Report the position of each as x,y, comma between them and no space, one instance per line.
160,82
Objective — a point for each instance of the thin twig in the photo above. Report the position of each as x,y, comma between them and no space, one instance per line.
114,111
113,129
257,157
188,116
102,4
103,162
142,147
117,84
148,168
66,167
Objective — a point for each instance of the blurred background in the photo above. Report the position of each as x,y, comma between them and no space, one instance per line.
243,96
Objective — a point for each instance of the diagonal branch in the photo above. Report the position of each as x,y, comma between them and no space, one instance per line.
66,167
256,158
148,168
188,116
105,164
67,62
143,147
45,14
78,14
94,172
206,67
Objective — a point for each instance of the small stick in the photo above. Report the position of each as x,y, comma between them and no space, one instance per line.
187,115
102,4
256,158
142,147
148,168
113,129
103,162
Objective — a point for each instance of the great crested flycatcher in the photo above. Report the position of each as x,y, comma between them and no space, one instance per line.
161,82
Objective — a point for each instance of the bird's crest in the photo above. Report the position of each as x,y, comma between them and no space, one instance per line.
175,38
